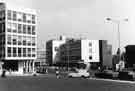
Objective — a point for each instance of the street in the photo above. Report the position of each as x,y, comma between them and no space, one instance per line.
51,83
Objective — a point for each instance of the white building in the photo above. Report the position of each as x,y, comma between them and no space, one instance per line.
17,38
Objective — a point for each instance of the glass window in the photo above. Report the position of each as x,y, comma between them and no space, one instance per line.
29,52
19,28
19,40
9,51
29,41
24,52
90,44
24,17
24,40
90,57
29,18
19,16
14,52
14,39
19,52
29,29
14,27
9,27
33,30
14,15
33,19
3,27
9,15
9,39
24,29
33,41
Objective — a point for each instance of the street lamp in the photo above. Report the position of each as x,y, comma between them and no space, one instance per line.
118,29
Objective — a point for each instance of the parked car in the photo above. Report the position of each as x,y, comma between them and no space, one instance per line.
79,73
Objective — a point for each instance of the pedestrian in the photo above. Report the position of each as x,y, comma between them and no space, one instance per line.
57,73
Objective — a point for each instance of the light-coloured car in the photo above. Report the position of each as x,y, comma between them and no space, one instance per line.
79,73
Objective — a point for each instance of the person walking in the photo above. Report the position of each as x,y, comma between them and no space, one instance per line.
57,73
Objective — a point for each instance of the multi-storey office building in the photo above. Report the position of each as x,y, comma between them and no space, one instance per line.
52,48
80,50
17,38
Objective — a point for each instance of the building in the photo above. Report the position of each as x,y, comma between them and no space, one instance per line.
52,48
71,51
17,38
41,58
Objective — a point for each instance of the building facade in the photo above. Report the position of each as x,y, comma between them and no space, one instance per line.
17,38
80,50
52,48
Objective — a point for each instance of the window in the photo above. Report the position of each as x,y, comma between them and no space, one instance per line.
9,51
56,48
9,27
24,52
19,16
19,28
90,57
9,15
19,40
19,52
90,50
29,29
14,27
3,27
9,40
14,52
90,44
28,18
24,17
24,29
24,40
14,15
29,52
29,41
33,52
33,30
14,39
33,41
33,19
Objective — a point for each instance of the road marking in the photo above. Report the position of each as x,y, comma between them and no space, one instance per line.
132,82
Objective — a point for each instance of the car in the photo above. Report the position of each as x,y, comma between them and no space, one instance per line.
79,73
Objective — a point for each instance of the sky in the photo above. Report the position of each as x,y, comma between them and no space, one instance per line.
83,18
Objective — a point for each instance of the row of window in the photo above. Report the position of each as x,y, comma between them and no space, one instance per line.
21,28
21,40
21,17
21,52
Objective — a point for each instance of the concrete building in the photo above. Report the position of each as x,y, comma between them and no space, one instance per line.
71,51
17,38
41,58
52,48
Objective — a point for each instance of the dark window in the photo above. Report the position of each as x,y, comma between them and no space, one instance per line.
9,52
90,57
29,29
19,28
9,15
19,52
24,29
33,30
24,52
14,52
14,15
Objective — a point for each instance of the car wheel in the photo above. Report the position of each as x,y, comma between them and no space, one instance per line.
83,76
70,76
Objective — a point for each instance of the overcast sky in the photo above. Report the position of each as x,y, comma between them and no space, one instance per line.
85,18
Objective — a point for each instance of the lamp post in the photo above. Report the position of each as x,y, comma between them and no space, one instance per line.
118,30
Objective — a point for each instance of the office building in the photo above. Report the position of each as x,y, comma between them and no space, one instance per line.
17,38
72,51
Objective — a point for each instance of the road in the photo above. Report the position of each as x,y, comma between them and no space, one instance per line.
50,83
